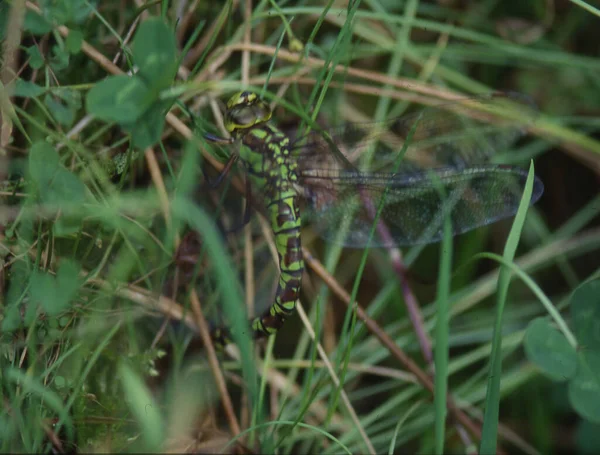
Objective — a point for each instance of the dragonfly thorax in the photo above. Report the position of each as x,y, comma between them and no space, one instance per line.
245,110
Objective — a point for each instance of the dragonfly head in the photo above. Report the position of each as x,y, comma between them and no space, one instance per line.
245,110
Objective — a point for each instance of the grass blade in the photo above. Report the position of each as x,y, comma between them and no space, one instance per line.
492,399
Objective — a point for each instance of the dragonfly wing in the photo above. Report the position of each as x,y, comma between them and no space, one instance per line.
459,133
342,205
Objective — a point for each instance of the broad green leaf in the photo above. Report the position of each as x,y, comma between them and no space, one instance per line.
66,187
43,293
68,95
54,294
550,351
19,277
67,279
68,11
36,24
59,58
585,312
43,164
148,129
28,89
36,61
62,113
63,103
584,388
74,41
59,382
155,53
587,437
66,227
54,183
120,99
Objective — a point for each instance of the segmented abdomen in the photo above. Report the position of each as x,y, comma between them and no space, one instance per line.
285,222
273,173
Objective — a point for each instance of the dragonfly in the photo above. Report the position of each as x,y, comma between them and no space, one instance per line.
314,178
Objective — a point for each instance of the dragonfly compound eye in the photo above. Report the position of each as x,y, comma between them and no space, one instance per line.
247,116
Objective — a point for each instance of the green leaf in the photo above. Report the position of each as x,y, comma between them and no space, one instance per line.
54,183
68,11
62,113
67,278
120,99
550,351
585,312
489,433
19,277
69,96
155,53
148,129
66,187
587,438
54,294
43,292
66,227
28,89
584,389
59,382
74,41
36,24
59,58
43,164
36,60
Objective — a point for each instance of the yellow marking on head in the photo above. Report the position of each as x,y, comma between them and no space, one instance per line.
246,110
241,98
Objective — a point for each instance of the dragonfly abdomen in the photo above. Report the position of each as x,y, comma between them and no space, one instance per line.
272,171
285,220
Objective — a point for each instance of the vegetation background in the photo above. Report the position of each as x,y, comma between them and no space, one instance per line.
116,252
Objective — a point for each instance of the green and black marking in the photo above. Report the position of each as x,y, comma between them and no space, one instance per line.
272,171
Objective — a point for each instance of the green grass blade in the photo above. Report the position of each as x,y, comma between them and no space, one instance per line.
492,399
442,330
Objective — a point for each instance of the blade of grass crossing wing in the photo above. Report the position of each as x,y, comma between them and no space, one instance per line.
362,265
492,399
442,333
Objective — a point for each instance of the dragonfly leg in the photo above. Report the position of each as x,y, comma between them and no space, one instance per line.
247,209
225,141
216,182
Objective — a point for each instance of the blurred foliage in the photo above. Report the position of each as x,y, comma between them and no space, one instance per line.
113,242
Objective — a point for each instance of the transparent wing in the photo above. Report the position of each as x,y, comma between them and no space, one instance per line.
458,134
342,204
